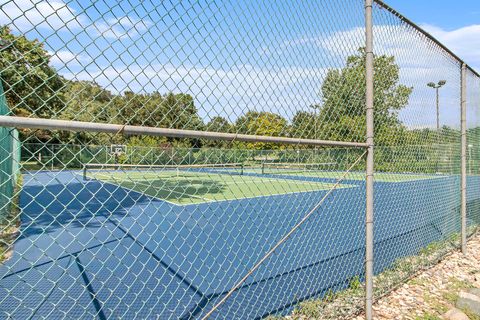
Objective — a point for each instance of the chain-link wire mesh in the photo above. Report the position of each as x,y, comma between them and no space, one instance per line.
417,220
473,152
9,166
6,166
105,224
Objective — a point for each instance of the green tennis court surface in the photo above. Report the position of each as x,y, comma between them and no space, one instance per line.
379,176
190,186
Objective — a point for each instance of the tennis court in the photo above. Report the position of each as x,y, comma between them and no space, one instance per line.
330,171
119,242
200,183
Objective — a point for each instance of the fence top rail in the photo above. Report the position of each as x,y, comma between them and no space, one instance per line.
425,33
39,123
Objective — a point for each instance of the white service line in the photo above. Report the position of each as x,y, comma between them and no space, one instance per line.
254,180
207,200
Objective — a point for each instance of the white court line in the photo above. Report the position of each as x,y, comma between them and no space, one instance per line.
279,181
132,190
267,195
222,200
163,188
255,180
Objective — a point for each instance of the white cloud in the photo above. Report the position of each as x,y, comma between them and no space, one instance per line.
25,15
409,49
65,58
280,89
288,89
117,28
464,42
420,62
218,91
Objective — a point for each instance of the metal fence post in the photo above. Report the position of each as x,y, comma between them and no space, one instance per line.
464,157
369,173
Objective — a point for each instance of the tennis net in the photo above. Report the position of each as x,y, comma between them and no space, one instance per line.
296,168
162,171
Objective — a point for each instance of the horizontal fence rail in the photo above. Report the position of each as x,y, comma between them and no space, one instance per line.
19,122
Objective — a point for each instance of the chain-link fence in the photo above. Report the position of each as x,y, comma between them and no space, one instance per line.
209,159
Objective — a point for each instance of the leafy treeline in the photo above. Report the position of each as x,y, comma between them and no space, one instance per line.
34,88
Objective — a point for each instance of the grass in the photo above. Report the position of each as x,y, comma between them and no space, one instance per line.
348,302
191,187
9,226
470,314
428,317
455,286
449,298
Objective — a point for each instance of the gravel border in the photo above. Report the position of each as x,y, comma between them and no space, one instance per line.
434,291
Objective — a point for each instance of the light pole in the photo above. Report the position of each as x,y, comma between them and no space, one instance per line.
315,128
437,86
470,146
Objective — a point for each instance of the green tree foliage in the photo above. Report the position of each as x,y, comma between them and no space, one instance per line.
88,101
145,150
342,113
305,124
218,124
262,123
31,85
175,111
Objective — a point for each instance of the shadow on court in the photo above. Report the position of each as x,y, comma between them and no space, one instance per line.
93,249
179,190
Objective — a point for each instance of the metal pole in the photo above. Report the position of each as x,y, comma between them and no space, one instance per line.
370,162
438,111
470,159
36,123
464,157
438,131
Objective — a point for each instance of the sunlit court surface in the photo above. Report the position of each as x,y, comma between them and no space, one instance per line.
208,183
118,224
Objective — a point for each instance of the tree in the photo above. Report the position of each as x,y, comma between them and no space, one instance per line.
218,124
305,124
262,123
31,86
342,113
88,101
145,150
174,111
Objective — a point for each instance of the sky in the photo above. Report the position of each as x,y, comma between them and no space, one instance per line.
234,56
454,23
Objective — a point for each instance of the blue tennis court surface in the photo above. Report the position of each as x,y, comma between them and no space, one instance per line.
94,249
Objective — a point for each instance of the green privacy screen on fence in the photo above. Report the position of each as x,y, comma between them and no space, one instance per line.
9,161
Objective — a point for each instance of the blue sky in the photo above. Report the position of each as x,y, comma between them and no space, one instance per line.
446,14
455,23
233,56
